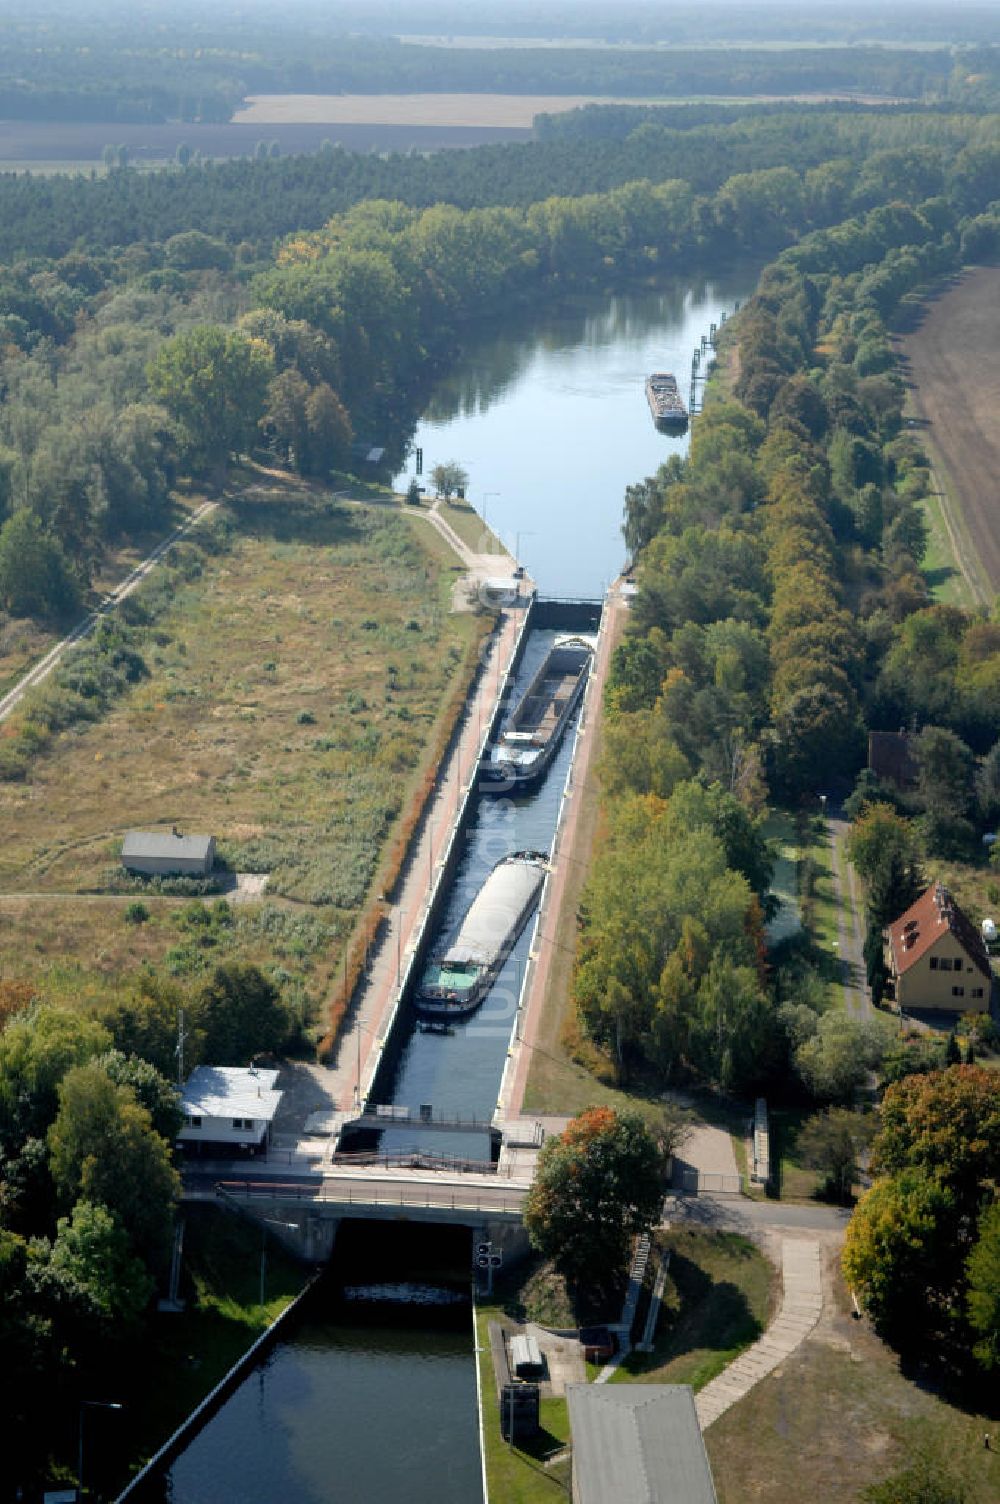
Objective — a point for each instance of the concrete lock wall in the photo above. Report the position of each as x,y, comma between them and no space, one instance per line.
381,1080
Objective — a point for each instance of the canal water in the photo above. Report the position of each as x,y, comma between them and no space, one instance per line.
552,425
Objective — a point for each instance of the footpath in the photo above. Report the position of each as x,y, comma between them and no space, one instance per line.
801,1308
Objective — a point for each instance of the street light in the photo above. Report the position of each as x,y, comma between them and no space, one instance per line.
522,532
486,497
84,1406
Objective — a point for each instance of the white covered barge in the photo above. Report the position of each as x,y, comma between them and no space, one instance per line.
456,981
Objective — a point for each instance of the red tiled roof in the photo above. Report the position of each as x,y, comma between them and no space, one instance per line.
934,913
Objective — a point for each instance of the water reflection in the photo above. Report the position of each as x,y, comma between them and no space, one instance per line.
551,422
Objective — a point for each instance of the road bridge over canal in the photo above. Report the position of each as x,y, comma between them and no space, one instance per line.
306,1208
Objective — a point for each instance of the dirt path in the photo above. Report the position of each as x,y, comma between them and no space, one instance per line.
84,628
953,360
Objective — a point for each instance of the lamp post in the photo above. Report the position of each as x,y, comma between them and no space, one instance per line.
86,1405
522,532
486,497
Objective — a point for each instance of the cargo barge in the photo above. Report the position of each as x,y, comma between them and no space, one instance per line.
665,402
529,740
455,982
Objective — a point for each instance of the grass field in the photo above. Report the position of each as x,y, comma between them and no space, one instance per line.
838,1415
293,690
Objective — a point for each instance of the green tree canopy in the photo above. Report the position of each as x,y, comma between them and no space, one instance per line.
214,383
598,1184
983,1271
242,1015
35,576
104,1149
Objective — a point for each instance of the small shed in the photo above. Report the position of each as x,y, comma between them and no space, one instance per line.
230,1108
637,1444
501,589
168,853
526,1356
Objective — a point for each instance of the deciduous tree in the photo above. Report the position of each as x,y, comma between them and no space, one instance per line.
598,1184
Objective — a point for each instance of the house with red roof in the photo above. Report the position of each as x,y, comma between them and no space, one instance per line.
936,958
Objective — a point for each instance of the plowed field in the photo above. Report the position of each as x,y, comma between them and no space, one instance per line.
954,363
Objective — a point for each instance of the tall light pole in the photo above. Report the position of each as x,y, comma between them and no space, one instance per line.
84,1406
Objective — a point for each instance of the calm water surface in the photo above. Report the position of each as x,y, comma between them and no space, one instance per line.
554,423
343,1413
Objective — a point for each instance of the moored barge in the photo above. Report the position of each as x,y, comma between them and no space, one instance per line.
528,742
455,982
665,401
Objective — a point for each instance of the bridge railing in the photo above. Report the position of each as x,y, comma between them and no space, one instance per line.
395,1115
345,1193
413,1159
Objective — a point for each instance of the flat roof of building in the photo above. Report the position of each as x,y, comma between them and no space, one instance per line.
166,843
638,1444
231,1091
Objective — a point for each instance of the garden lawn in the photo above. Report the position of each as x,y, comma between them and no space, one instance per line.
719,1297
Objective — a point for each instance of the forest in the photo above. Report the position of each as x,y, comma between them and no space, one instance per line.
201,68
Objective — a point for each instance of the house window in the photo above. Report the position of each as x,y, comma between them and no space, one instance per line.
958,992
242,1122
194,1122
976,992
934,963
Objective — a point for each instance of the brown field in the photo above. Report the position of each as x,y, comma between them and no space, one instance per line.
455,111
954,363
510,110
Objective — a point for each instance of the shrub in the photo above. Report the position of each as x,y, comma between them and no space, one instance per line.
136,912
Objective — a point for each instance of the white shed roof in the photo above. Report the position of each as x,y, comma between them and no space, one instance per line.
231,1091
164,843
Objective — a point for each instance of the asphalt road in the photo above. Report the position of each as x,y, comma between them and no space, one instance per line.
737,1213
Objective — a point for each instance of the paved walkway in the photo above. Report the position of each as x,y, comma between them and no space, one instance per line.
706,1159
801,1308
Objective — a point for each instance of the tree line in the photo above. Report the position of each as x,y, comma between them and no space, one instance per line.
779,607
251,202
